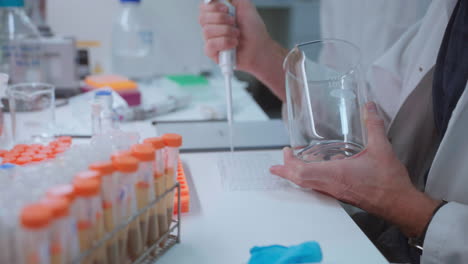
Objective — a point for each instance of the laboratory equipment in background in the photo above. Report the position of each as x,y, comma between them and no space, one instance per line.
178,45
126,88
19,44
104,120
84,68
324,94
149,111
3,87
29,56
88,61
32,109
35,9
132,43
58,53
203,136
59,64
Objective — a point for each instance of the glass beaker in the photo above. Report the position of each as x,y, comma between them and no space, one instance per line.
324,97
32,109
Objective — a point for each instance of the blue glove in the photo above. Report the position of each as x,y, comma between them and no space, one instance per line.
307,252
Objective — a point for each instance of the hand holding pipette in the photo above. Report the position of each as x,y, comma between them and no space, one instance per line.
227,63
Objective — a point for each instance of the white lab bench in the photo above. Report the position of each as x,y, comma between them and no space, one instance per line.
222,225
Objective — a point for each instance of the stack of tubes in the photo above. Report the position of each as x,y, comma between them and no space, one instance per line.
54,210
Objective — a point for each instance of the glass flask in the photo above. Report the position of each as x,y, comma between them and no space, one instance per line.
325,96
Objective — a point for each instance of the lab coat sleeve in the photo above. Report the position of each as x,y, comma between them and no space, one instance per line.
385,78
446,239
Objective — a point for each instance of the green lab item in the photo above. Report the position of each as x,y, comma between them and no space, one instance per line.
188,80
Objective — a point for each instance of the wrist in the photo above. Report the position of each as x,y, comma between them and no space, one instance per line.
411,211
267,67
270,54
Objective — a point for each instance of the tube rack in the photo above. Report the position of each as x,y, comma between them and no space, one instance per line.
157,249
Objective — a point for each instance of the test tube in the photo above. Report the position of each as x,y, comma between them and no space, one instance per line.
159,210
97,210
66,191
172,143
109,185
145,191
130,237
60,229
87,200
33,244
6,237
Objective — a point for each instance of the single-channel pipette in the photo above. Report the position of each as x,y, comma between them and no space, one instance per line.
227,63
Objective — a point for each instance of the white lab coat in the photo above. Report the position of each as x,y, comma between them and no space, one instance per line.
401,83
372,25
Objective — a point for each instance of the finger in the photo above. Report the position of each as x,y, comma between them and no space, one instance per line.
306,170
282,171
215,45
289,174
291,159
376,134
213,31
213,7
216,18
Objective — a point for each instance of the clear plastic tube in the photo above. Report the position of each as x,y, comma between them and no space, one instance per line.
144,186
60,230
158,215
87,192
100,230
130,237
172,142
67,191
97,210
33,243
109,185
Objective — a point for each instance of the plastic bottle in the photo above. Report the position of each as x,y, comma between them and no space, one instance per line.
159,211
145,191
20,50
132,42
173,143
103,117
33,243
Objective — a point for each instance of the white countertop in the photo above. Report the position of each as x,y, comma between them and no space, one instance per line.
223,225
